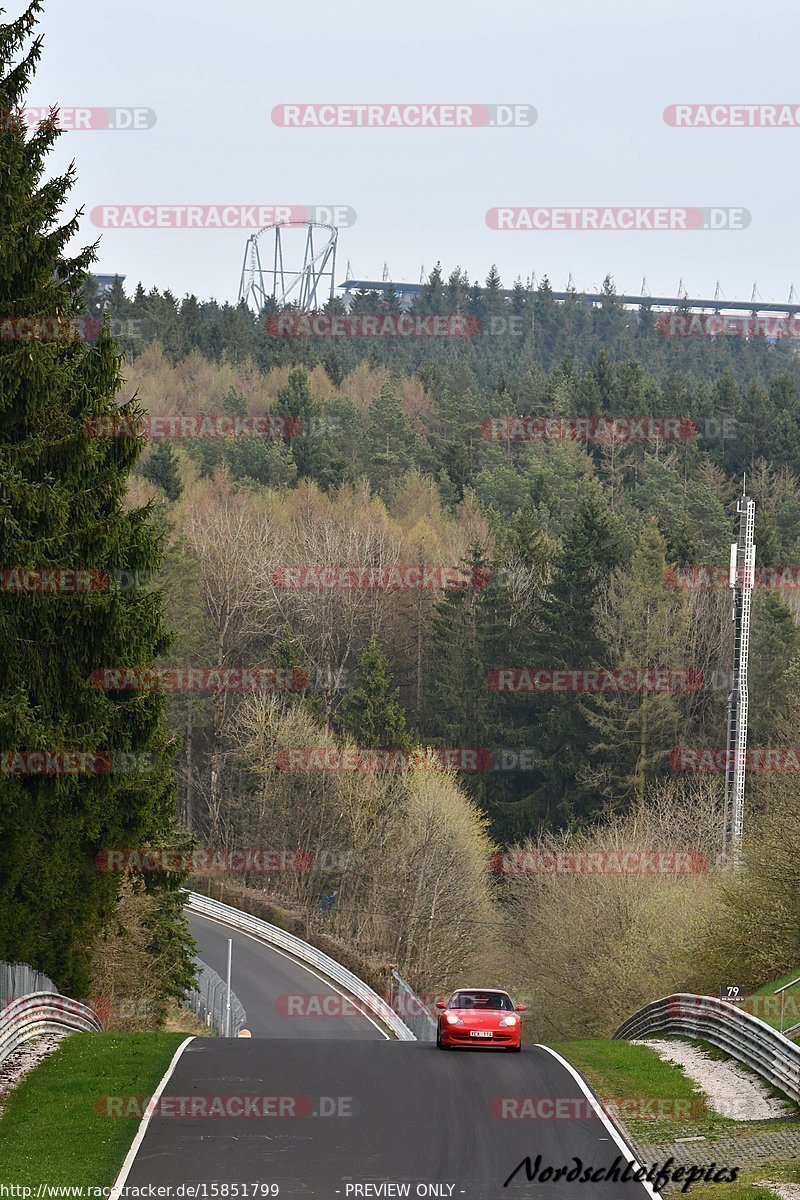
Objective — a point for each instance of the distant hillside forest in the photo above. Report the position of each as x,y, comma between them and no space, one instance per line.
393,467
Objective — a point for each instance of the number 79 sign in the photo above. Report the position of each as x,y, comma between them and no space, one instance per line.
732,993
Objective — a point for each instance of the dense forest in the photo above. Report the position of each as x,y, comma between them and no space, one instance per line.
571,554
574,541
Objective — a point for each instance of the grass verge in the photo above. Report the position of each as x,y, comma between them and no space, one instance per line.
51,1130
749,1185
656,1100
767,1005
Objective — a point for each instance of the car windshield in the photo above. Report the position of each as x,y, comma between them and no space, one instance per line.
482,1000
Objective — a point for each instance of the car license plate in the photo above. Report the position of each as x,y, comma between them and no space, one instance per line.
481,1033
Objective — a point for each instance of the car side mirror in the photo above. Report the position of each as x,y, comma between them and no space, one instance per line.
521,1008
441,1004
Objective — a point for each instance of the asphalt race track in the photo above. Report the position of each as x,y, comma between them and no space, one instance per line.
261,975
342,1107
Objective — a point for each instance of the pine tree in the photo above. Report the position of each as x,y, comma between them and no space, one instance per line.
775,641
371,714
431,296
161,468
62,506
646,626
313,449
568,637
390,300
390,440
471,637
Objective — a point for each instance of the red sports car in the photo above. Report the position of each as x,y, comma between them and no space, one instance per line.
480,1017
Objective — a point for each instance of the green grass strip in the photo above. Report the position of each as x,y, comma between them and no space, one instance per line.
51,1130
657,1101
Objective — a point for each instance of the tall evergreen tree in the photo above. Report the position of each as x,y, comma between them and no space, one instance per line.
61,507
371,713
390,440
314,450
569,638
646,627
471,638
162,469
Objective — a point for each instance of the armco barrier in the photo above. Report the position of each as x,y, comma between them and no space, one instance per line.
744,1037
42,1012
370,1001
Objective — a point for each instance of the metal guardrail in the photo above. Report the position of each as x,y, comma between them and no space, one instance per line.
744,1037
43,1012
412,1009
208,1000
371,1003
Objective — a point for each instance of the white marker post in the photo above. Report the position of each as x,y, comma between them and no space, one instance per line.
228,1002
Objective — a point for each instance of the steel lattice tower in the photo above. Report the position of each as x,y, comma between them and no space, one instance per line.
741,580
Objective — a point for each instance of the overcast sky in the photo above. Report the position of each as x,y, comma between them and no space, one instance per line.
598,72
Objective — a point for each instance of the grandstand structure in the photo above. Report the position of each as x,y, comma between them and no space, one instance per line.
407,292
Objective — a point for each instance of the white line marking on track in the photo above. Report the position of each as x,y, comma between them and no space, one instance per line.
125,1170
612,1129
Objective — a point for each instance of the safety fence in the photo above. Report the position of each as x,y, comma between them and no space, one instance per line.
18,979
370,1002
208,1000
744,1037
781,991
408,1005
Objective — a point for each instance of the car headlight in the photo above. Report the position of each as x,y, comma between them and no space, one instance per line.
509,1021
452,1019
